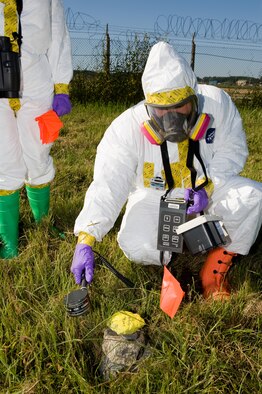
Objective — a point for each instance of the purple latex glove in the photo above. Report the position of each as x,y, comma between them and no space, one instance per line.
198,199
62,104
83,262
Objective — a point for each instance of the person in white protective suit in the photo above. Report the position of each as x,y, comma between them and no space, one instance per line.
43,76
175,109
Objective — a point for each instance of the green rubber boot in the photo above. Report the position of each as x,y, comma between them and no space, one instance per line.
9,217
39,199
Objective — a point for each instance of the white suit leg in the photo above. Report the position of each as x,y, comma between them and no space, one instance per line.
39,163
138,233
239,202
12,165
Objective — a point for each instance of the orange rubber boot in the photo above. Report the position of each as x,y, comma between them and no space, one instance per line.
213,274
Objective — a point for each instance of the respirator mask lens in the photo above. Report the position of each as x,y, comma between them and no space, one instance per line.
173,125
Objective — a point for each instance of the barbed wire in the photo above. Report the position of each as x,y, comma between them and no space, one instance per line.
174,25
81,22
243,30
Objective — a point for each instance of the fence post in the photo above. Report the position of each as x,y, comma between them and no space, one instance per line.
193,53
107,53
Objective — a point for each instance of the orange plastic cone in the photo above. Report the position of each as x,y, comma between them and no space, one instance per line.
171,294
49,125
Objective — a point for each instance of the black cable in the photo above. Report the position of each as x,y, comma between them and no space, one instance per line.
125,280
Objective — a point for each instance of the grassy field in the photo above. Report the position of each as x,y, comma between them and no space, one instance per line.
207,348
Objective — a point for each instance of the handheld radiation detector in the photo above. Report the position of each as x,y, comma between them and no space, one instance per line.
172,213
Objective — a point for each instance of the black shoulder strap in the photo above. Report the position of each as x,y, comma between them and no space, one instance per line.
167,168
193,150
19,7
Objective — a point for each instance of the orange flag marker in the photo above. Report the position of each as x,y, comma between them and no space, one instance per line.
171,294
49,125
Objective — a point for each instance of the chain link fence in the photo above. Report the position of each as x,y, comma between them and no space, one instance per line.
211,59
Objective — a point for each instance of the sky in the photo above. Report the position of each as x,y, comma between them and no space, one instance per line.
137,14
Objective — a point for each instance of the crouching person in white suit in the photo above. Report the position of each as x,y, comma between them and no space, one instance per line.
176,109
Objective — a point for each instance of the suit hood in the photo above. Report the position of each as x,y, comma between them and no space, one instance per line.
167,71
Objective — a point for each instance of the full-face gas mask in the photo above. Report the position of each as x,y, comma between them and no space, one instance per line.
168,123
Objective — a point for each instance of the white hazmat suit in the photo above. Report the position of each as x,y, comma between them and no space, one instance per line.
46,70
46,66
126,162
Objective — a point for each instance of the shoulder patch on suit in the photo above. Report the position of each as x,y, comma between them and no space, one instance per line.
210,135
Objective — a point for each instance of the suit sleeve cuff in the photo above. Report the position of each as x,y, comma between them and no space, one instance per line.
87,239
61,88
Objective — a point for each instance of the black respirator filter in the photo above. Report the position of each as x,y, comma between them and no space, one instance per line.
77,302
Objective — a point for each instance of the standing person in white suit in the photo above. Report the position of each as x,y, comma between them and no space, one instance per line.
176,108
35,40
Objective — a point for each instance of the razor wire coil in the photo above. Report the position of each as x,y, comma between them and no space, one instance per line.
214,29
175,25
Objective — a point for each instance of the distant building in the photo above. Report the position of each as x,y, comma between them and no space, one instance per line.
241,82
213,82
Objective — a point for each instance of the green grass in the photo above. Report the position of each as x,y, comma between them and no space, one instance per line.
207,348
